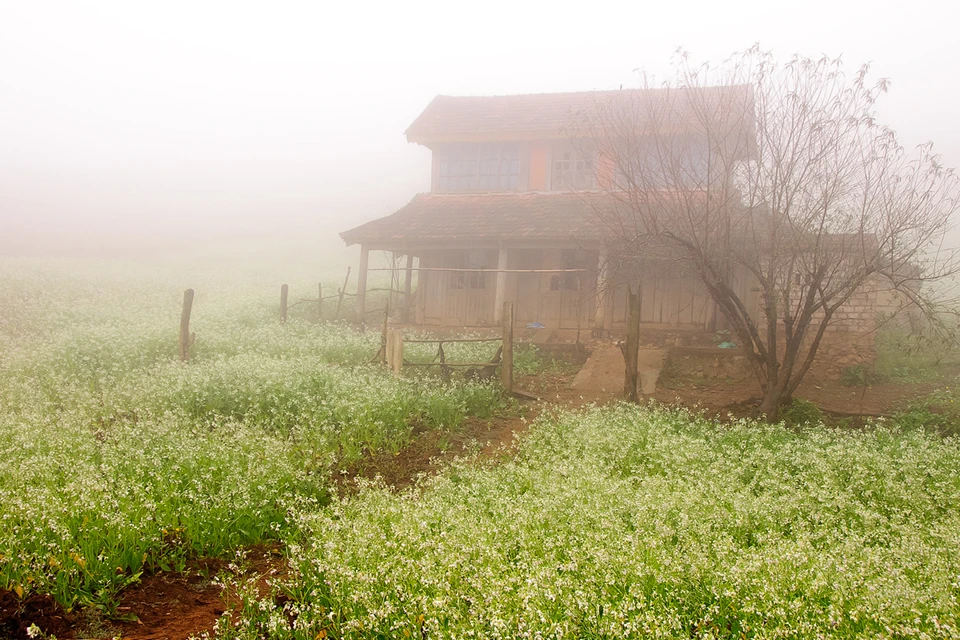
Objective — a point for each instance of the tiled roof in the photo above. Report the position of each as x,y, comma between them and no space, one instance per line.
495,216
550,114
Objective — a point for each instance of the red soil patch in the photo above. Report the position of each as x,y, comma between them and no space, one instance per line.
170,606
175,606
164,606
17,615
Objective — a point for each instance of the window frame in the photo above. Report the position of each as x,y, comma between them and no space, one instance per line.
478,167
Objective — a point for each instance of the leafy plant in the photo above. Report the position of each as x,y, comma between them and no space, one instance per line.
861,375
801,412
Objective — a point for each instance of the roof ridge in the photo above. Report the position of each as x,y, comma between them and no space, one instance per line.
484,194
583,92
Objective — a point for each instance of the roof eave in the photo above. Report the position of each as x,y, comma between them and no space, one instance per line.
426,139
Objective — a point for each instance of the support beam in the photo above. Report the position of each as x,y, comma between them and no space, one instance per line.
362,283
600,315
506,363
407,287
500,294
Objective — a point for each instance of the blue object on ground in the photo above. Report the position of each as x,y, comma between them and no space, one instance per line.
536,325
727,345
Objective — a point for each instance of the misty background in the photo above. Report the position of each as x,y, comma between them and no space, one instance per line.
133,129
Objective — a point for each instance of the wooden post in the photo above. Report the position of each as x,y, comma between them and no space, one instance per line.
319,302
362,284
340,293
383,338
501,291
444,369
407,287
398,356
186,338
631,347
599,316
284,290
506,368
395,350
388,349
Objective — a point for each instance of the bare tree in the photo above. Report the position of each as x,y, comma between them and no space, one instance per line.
777,176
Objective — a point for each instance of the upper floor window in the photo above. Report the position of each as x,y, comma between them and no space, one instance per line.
479,167
672,162
572,169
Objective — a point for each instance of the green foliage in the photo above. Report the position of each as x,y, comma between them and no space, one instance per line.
639,522
801,412
120,460
861,375
915,356
618,522
938,413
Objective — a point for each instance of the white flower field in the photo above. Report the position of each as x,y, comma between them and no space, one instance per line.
119,461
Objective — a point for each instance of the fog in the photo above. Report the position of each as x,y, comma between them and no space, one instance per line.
130,128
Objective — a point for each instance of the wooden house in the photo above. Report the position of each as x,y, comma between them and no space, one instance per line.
511,215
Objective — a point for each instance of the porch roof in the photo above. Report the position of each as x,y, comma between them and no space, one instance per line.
534,216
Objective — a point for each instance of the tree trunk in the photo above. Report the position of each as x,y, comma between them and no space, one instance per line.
775,397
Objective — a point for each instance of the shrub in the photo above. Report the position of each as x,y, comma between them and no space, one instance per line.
861,375
800,413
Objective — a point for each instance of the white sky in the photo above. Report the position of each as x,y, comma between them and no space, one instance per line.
152,119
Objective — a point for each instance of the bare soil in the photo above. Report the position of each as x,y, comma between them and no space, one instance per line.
18,614
743,397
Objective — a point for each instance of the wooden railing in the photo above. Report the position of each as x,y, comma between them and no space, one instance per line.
391,352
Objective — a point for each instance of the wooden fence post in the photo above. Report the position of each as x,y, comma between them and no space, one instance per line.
444,369
284,290
342,291
394,350
383,339
186,338
631,348
361,311
388,349
506,368
407,288
397,351
320,302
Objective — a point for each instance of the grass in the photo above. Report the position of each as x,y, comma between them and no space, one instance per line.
937,412
120,460
910,356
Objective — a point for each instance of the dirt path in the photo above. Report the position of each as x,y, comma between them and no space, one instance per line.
431,447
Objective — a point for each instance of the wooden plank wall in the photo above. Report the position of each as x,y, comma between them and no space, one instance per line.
670,302
534,297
